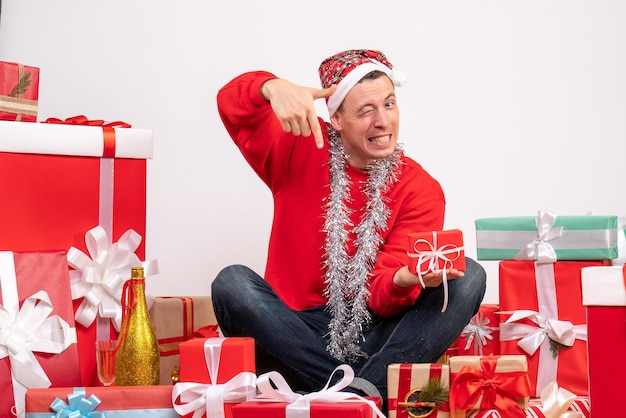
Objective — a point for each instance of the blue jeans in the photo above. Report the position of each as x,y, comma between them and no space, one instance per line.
294,342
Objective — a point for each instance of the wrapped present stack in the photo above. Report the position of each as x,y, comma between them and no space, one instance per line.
78,187
540,314
74,227
490,386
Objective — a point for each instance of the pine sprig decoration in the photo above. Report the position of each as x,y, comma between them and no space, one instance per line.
434,392
556,346
21,86
421,403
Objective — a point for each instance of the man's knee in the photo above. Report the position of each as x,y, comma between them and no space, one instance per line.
474,283
226,278
475,273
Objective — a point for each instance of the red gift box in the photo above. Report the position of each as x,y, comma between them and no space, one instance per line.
436,251
62,185
482,335
263,409
404,378
19,92
118,401
604,295
201,359
38,344
177,319
206,362
548,321
277,400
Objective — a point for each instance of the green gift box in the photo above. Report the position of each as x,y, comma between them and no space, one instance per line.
547,238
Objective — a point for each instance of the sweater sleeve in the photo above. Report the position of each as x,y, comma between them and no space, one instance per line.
422,210
251,123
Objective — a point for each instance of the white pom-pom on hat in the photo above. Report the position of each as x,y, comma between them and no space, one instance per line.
398,78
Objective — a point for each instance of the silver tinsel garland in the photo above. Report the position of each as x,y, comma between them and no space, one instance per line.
347,289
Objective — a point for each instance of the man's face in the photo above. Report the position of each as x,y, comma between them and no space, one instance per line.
368,121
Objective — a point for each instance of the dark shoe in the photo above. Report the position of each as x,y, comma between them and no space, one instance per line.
363,387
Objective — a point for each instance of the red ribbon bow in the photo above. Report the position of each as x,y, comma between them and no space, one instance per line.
82,120
498,390
207,331
108,130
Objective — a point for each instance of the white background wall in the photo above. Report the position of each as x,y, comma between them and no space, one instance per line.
514,106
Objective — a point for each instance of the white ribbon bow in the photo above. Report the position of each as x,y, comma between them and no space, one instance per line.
478,329
555,402
31,329
431,258
531,337
100,276
539,249
202,398
209,398
274,388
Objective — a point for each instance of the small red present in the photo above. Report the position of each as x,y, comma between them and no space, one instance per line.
176,319
544,319
19,92
604,295
481,336
405,383
118,401
38,339
436,251
277,400
208,360
489,382
87,176
215,374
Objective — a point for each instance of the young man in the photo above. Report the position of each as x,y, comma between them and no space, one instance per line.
337,288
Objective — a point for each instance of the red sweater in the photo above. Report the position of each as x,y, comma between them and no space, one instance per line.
298,176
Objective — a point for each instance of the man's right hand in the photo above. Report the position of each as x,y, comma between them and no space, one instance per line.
404,278
294,107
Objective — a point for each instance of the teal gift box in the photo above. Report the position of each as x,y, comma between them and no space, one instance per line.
547,238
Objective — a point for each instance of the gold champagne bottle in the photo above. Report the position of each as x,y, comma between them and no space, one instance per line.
137,358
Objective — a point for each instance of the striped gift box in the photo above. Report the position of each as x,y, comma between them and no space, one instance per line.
547,238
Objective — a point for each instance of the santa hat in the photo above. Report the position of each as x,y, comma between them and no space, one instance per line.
347,68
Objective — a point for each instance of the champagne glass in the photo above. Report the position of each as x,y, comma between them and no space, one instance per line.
105,361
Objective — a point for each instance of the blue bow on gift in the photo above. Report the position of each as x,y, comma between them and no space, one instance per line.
77,406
